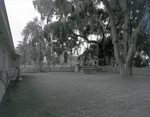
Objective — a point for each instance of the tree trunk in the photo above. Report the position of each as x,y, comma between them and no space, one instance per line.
126,29
53,69
99,54
109,58
127,67
40,65
113,31
49,66
127,71
122,58
125,56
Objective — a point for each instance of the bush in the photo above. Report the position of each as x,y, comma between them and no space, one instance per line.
139,61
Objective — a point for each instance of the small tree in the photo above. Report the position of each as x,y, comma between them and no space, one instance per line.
34,41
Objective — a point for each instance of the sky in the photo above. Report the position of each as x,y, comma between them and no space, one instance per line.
19,12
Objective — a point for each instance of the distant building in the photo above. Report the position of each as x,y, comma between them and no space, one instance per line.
8,57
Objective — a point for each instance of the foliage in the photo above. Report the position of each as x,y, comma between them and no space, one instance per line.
129,27
59,33
21,49
140,59
33,41
126,21
76,24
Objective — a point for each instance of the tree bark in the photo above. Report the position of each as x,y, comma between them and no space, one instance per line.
99,54
127,71
137,38
40,67
125,56
127,67
113,30
126,29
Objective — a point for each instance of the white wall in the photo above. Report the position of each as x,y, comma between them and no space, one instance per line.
15,61
6,66
7,60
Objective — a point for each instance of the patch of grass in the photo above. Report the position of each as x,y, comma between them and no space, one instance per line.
78,95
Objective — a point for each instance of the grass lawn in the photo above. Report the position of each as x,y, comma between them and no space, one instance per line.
78,95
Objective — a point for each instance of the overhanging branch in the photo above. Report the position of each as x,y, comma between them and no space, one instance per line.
103,26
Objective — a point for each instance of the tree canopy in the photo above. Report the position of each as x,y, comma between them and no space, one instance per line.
127,22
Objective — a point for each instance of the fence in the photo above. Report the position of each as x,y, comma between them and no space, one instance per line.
34,69
135,70
110,69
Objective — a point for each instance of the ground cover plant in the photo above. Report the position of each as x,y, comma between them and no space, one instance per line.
78,95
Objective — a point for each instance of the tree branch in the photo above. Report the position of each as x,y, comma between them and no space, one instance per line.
103,26
113,30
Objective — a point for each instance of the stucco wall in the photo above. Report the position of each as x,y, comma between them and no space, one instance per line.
4,64
7,60
15,61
